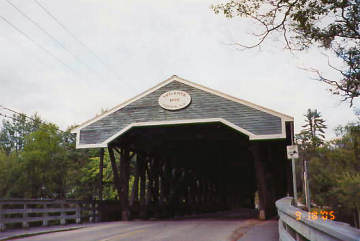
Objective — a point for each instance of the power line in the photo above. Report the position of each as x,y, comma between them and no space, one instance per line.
16,112
7,116
68,31
47,11
35,43
49,35
23,114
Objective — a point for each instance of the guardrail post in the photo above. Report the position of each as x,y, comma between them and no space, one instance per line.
25,224
97,213
2,225
45,216
92,213
78,213
62,214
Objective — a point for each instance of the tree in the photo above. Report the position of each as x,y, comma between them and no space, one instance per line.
10,174
309,141
334,174
329,24
313,134
315,126
13,132
86,184
45,163
39,160
348,193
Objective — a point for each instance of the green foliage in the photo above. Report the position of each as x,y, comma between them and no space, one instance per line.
334,166
335,173
314,124
332,24
86,186
348,190
13,132
44,162
10,173
37,160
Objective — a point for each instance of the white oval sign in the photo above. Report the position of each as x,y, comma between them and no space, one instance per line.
174,100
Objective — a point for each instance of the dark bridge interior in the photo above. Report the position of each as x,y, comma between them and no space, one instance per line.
197,168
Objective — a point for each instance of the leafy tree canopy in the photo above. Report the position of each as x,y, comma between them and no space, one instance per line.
335,174
13,131
38,160
329,24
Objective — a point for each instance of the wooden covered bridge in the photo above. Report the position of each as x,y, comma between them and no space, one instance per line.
194,150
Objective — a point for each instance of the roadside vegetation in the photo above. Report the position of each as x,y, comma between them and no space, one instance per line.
37,160
334,167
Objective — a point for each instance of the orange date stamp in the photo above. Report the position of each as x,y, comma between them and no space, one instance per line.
315,215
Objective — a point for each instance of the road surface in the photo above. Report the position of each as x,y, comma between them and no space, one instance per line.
223,227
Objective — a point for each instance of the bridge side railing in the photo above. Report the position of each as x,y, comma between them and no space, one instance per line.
45,212
294,225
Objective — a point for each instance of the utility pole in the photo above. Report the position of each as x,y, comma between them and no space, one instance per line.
293,153
294,181
306,186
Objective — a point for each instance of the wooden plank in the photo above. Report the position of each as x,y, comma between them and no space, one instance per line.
124,179
66,213
45,215
62,215
78,214
115,171
34,202
38,210
36,219
256,151
142,162
101,168
135,188
2,225
25,224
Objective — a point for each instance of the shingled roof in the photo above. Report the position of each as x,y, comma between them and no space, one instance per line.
206,106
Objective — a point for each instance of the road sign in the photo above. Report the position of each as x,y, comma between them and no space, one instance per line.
292,152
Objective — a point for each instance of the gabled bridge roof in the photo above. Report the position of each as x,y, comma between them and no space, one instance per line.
206,106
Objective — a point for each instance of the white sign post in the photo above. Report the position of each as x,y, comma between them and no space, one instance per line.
292,153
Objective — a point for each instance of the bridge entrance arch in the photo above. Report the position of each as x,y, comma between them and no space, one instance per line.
192,149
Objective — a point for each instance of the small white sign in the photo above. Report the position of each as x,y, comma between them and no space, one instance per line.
292,152
174,100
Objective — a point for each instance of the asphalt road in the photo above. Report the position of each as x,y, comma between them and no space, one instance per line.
227,227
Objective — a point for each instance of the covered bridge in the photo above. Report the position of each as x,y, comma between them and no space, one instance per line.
192,149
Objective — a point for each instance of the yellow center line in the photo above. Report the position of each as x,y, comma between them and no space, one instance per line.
122,235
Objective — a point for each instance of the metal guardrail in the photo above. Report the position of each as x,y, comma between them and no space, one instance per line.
25,212
291,229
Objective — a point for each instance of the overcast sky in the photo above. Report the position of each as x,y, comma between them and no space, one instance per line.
140,44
